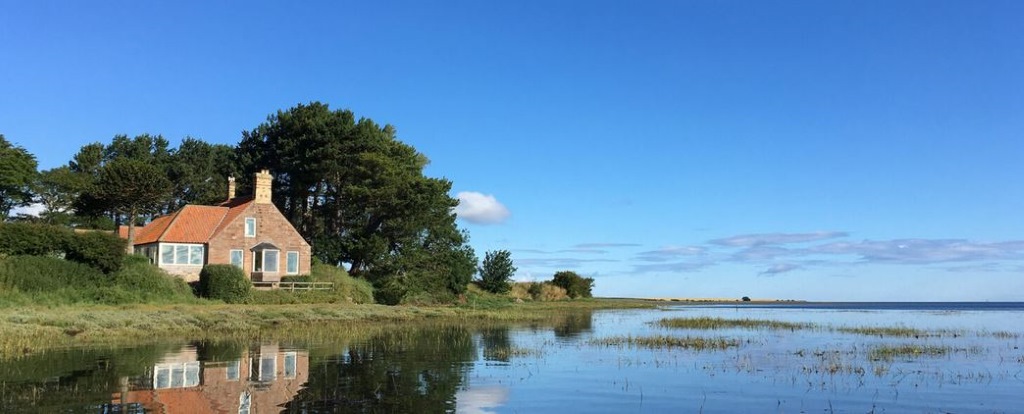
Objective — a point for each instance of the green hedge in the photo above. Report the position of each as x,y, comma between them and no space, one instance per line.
224,282
33,239
101,250
150,283
47,274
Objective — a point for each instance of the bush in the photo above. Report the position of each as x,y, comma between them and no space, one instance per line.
550,292
575,285
496,271
150,283
33,239
101,250
224,282
47,274
345,286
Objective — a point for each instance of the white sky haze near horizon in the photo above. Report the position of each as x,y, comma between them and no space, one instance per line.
841,150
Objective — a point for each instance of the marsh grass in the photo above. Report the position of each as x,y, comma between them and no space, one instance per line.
890,352
30,329
900,331
705,322
667,342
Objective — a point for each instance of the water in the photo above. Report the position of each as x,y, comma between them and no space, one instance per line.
561,366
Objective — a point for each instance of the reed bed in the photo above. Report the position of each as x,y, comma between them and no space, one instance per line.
26,330
667,342
705,322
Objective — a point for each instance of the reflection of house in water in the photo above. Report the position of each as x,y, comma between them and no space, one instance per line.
259,381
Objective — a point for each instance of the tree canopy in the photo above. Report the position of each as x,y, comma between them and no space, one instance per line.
17,174
360,196
496,271
575,286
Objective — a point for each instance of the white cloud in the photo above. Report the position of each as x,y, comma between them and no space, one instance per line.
480,208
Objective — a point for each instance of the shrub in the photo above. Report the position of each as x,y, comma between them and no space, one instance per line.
575,285
496,271
224,282
150,283
33,239
47,274
356,290
550,292
535,290
101,250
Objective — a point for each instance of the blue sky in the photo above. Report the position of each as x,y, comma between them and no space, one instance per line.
839,150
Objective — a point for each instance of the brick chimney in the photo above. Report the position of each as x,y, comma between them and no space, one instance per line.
231,188
263,187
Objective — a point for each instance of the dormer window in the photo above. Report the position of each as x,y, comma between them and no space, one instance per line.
250,227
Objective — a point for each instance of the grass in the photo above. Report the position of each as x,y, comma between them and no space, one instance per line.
29,329
890,352
705,322
900,331
667,342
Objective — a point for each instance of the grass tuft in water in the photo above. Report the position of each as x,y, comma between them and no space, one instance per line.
889,352
667,342
900,331
705,322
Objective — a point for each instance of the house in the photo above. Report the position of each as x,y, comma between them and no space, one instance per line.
248,232
259,380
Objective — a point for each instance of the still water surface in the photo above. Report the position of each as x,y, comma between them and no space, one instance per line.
564,365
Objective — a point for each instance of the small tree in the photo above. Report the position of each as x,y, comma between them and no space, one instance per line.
746,299
132,188
497,271
575,286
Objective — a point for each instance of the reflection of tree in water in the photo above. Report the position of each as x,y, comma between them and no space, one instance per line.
496,343
401,371
573,324
75,380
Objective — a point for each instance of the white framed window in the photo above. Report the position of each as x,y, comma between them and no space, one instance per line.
233,370
268,368
265,261
270,260
250,227
290,364
292,266
236,258
182,254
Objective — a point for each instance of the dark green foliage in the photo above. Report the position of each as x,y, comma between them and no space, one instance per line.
131,188
360,195
17,173
47,274
52,281
33,239
224,282
535,290
575,285
219,351
496,271
148,283
101,250
57,190
746,299
199,172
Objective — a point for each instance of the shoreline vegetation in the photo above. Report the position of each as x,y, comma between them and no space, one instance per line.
34,329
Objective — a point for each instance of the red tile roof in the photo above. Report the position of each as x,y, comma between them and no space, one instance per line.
191,224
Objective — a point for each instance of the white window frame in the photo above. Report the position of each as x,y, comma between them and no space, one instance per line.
191,254
288,263
263,261
241,259
251,227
